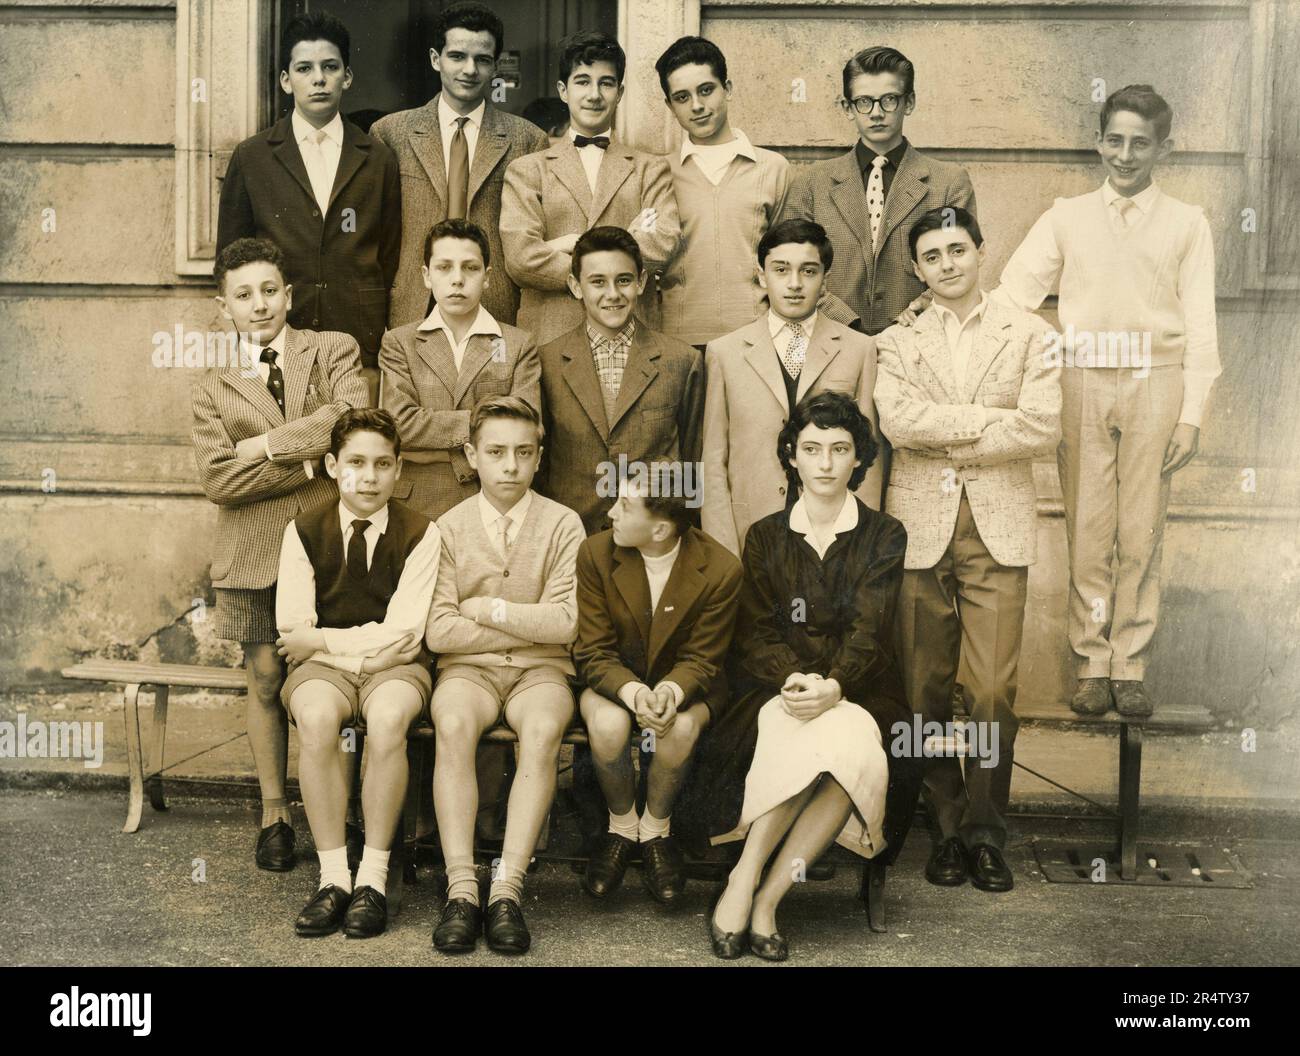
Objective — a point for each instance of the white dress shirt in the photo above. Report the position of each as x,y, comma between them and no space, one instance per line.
657,571
845,521
961,335
447,118
483,323
321,159
782,334
714,159
591,157
514,518
252,353
1143,201
408,608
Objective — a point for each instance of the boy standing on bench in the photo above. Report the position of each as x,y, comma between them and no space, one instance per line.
258,428
504,612
353,596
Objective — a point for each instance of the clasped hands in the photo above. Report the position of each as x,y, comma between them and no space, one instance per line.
805,697
656,709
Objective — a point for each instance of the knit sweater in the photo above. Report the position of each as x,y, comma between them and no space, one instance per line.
518,627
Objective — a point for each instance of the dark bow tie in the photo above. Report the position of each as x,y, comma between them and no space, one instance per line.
593,141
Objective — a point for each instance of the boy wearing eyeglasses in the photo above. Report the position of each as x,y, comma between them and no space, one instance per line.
869,198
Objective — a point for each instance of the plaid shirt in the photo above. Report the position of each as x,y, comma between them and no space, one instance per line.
610,354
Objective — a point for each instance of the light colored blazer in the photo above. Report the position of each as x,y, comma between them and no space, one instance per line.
877,285
414,136
941,445
745,407
547,195
257,497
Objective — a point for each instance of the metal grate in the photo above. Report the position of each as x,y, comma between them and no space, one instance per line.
1159,865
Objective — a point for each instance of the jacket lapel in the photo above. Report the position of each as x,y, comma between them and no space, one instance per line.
433,347
568,169
933,347
761,356
251,386
426,142
640,371
994,333
580,376
851,200
478,350
493,142
285,149
630,579
615,167
685,583
825,347
907,188
356,148
299,358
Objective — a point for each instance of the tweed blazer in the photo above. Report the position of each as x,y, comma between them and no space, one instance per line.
659,412
877,284
745,408
257,497
547,195
939,446
415,137
432,403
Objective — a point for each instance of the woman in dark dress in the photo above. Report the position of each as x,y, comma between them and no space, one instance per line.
798,759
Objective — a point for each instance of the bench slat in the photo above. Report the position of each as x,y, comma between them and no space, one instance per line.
134,671
1170,717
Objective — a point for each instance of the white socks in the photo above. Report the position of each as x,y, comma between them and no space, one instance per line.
642,829
334,868
624,825
652,828
373,870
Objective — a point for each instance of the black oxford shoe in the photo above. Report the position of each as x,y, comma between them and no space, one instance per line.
988,869
663,870
505,928
324,913
275,848
947,864
367,916
607,864
1131,699
459,927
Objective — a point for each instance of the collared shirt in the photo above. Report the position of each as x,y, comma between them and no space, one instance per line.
714,159
845,521
610,355
408,609
961,335
590,156
483,323
320,152
447,118
782,334
514,518
657,571
251,352
893,159
1144,201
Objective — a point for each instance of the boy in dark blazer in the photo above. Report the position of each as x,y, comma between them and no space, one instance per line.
323,191
258,429
657,600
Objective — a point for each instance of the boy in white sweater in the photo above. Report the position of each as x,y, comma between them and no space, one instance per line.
504,612
1140,354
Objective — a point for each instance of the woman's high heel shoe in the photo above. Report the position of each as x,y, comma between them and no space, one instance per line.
769,947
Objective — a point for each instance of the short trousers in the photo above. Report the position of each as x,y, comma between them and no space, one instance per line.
356,688
246,615
504,683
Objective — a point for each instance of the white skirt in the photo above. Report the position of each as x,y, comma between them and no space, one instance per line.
844,742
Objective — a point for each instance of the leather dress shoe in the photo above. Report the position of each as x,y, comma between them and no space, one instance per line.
1092,697
275,848
505,928
947,864
458,927
988,869
663,870
323,914
367,914
769,947
1131,699
607,864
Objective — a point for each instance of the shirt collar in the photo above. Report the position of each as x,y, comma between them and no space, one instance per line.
775,324
516,513
378,519
866,154
944,313
447,116
276,345
845,521
484,323
573,133
741,144
1144,201
302,129
594,338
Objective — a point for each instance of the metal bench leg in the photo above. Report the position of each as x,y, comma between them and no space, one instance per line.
154,783
134,761
1130,782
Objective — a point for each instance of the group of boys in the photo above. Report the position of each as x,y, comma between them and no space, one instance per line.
568,292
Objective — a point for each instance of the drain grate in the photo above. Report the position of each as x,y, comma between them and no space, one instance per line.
1159,865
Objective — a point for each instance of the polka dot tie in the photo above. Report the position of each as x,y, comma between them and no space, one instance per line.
876,198
796,350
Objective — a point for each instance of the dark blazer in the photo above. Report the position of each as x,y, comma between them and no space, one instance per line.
684,641
877,285
341,265
660,412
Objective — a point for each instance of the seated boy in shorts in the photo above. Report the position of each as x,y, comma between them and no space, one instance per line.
504,612
355,581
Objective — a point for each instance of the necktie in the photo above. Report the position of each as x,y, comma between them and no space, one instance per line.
357,550
458,173
317,170
504,542
274,377
876,198
594,141
1127,213
793,356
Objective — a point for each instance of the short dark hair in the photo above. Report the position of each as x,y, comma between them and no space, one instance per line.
941,219
589,47
503,407
364,420
828,410
605,240
796,231
455,227
880,59
667,496
474,17
690,51
314,25
247,251
1141,99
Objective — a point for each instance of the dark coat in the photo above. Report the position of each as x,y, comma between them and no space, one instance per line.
833,617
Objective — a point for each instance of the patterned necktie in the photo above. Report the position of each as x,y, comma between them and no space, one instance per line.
504,542
274,377
458,173
876,198
594,141
357,550
795,351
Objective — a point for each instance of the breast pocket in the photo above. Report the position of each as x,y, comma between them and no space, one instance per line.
1003,394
